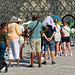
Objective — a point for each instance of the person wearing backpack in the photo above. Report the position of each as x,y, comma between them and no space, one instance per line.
35,38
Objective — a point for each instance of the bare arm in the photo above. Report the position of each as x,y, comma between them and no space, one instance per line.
46,28
53,35
28,31
45,36
48,39
7,42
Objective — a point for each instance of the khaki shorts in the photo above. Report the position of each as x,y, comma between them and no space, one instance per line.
35,45
22,45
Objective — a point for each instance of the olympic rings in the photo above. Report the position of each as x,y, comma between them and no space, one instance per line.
56,17
68,15
70,28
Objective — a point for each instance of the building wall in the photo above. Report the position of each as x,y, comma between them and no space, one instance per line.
26,8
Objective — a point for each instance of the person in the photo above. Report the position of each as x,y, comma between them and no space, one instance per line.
13,37
5,28
72,36
73,29
26,36
3,41
57,36
35,39
66,38
21,39
49,39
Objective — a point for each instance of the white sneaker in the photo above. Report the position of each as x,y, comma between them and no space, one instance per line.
70,54
9,66
56,56
18,66
65,54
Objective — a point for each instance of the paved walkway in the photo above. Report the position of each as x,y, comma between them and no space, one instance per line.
63,66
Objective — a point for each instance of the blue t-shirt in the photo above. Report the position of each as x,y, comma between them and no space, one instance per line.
36,32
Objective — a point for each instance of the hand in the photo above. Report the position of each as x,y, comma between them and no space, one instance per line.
48,39
41,32
8,49
30,33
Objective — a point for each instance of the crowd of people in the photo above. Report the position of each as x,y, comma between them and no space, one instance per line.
48,37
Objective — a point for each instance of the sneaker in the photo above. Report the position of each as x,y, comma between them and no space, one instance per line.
30,66
44,63
53,63
70,54
60,54
18,66
56,56
9,66
65,54
39,65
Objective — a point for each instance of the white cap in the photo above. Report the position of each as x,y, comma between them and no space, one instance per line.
19,19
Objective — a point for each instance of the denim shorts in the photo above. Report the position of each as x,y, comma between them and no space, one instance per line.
60,42
50,44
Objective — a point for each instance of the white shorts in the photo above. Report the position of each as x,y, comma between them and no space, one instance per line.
14,49
22,45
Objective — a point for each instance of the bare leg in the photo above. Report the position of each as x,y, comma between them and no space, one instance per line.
68,46
39,58
9,62
60,50
49,52
52,55
20,53
32,58
17,61
64,47
45,56
57,47
41,53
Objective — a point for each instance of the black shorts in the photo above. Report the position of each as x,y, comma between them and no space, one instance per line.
66,39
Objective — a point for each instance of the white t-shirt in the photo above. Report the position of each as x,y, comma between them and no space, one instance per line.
73,30
22,29
66,30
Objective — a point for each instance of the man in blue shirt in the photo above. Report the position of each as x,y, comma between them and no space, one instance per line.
35,38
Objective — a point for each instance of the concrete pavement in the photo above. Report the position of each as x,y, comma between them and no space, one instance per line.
64,65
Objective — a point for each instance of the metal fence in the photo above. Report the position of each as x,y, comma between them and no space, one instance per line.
26,8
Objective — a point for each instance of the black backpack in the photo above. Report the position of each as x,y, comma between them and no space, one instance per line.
3,65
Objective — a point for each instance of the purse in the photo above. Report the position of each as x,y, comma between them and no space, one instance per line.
62,35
